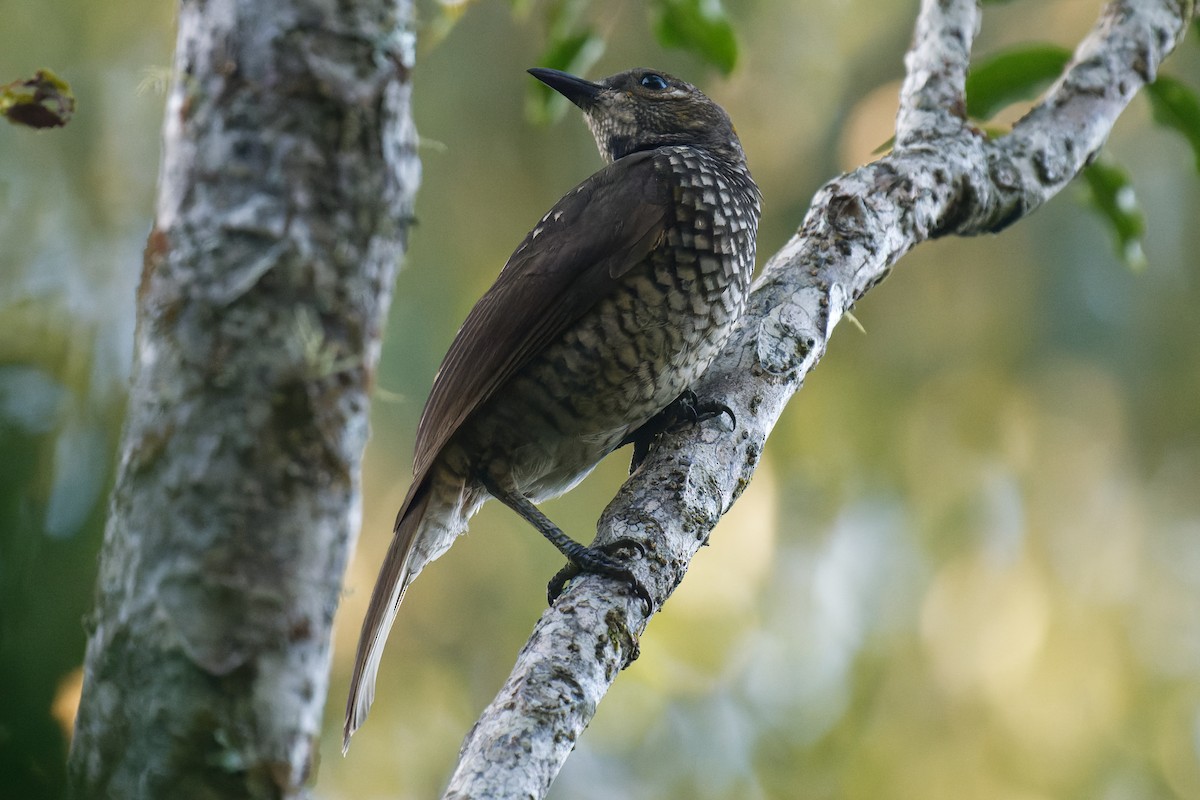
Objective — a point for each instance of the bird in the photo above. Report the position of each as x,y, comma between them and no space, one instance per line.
593,333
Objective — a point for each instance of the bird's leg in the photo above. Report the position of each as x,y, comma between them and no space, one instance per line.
580,558
687,409
605,552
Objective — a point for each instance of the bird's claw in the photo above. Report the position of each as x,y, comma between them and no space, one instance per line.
600,560
687,409
693,410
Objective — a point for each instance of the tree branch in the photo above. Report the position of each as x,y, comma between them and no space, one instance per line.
932,99
284,201
945,177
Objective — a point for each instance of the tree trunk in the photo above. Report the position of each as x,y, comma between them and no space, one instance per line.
284,201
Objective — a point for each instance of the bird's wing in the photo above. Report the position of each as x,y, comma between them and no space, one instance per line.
569,261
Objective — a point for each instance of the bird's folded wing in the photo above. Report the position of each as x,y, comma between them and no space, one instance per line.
573,258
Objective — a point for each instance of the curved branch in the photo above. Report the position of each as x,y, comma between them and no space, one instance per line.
1067,128
859,225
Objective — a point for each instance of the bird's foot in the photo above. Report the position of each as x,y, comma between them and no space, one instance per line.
687,409
601,560
690,409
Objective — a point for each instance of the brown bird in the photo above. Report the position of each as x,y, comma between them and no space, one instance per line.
612,306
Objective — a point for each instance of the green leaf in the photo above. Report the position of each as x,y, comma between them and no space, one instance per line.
1175,105
698,26
1113,197
1017,74
575,54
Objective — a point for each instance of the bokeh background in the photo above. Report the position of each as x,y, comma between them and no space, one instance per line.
968,567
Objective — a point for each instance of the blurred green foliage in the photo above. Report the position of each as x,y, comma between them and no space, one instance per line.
967,567
1020,73
1114,198
699,26
75,206
1177,106
573,43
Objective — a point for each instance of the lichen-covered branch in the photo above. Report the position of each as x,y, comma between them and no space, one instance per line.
945,177
932,100
284,201
1067,128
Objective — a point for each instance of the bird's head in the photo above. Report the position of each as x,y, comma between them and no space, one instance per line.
642,109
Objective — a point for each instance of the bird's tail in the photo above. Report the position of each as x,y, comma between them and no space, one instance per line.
394,577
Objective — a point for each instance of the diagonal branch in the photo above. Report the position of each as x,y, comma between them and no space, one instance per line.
859,225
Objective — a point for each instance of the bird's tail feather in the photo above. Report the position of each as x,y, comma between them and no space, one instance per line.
393,579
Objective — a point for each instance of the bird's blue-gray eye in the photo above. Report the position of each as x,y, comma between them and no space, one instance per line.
652,81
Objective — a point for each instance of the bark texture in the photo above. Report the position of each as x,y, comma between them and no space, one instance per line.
285,196
944,177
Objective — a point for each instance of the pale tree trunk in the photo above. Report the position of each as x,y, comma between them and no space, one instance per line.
284,202
944,178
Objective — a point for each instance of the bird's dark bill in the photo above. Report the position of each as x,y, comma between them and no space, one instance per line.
579,91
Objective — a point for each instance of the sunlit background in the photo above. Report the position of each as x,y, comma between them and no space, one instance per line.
969,566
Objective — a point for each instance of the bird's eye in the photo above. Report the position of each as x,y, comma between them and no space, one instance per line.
653,81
